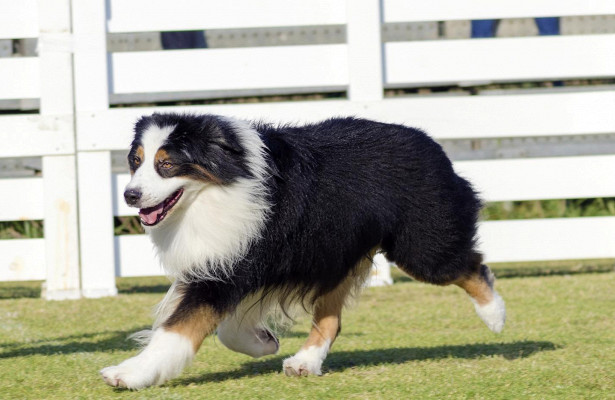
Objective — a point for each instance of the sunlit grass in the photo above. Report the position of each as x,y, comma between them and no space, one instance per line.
409,340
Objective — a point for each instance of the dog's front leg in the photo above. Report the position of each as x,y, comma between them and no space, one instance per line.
171,348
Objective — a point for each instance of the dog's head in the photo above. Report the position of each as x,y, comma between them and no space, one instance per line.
173,157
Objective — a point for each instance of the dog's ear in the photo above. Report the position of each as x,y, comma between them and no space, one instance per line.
220,133
230,144
142,124
218,150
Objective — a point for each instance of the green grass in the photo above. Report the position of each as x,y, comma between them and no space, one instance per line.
21,229
570,208
406,341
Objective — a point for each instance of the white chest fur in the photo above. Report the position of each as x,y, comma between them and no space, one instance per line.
214,229
215,225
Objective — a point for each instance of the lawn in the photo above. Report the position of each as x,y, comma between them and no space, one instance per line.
409,340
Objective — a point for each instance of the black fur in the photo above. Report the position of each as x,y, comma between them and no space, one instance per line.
338,189
204,141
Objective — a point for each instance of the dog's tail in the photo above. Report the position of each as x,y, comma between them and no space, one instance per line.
488,304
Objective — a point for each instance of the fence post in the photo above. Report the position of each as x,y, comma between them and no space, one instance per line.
365,63
59,172
94,167
364,50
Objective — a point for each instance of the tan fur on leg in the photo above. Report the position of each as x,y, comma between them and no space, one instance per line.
487,302
171,348
196,326
326,325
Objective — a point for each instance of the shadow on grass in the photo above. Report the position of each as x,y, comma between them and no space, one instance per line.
92,342
144,289
14,290
88,342
501,272
342,360
32,289
304,334
531,272
147,284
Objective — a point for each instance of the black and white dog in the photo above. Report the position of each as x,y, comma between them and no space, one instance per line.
250,217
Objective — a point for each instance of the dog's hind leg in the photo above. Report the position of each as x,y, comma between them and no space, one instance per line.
472,276
326,325
487,302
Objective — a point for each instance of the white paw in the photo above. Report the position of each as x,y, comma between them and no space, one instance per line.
493,314
297,366
128,375
164,358
307,361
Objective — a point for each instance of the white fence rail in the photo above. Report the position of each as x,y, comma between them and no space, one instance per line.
49,134
76,130
444,10
146,15
506,59
232,69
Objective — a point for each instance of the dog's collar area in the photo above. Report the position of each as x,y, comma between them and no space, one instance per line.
153,215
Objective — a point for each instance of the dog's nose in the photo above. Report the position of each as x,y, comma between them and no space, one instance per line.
132,196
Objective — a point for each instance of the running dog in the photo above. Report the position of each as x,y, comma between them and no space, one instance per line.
249,218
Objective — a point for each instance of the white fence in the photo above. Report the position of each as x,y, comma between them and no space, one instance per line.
76,130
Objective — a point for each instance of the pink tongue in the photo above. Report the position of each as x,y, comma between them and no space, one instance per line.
150,215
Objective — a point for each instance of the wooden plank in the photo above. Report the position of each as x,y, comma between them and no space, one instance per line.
96,244
548,239
507,59
241,68
36,135
541,178
61,228
442,117
443,10
364,50
147,15
22,199
19,78
22,260
59,172
19,19
501,241
90,55
135,256
118,184
96,224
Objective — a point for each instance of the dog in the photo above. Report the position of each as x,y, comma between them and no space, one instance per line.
250,218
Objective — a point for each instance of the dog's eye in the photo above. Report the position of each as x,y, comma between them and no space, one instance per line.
166,165
136,160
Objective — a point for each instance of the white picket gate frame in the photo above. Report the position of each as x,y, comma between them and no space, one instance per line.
76,130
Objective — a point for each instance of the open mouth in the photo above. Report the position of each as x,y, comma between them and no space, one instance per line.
153,215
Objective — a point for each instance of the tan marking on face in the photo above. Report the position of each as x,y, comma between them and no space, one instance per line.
328,308
210,177
161,155
198,325
141,154
477,287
